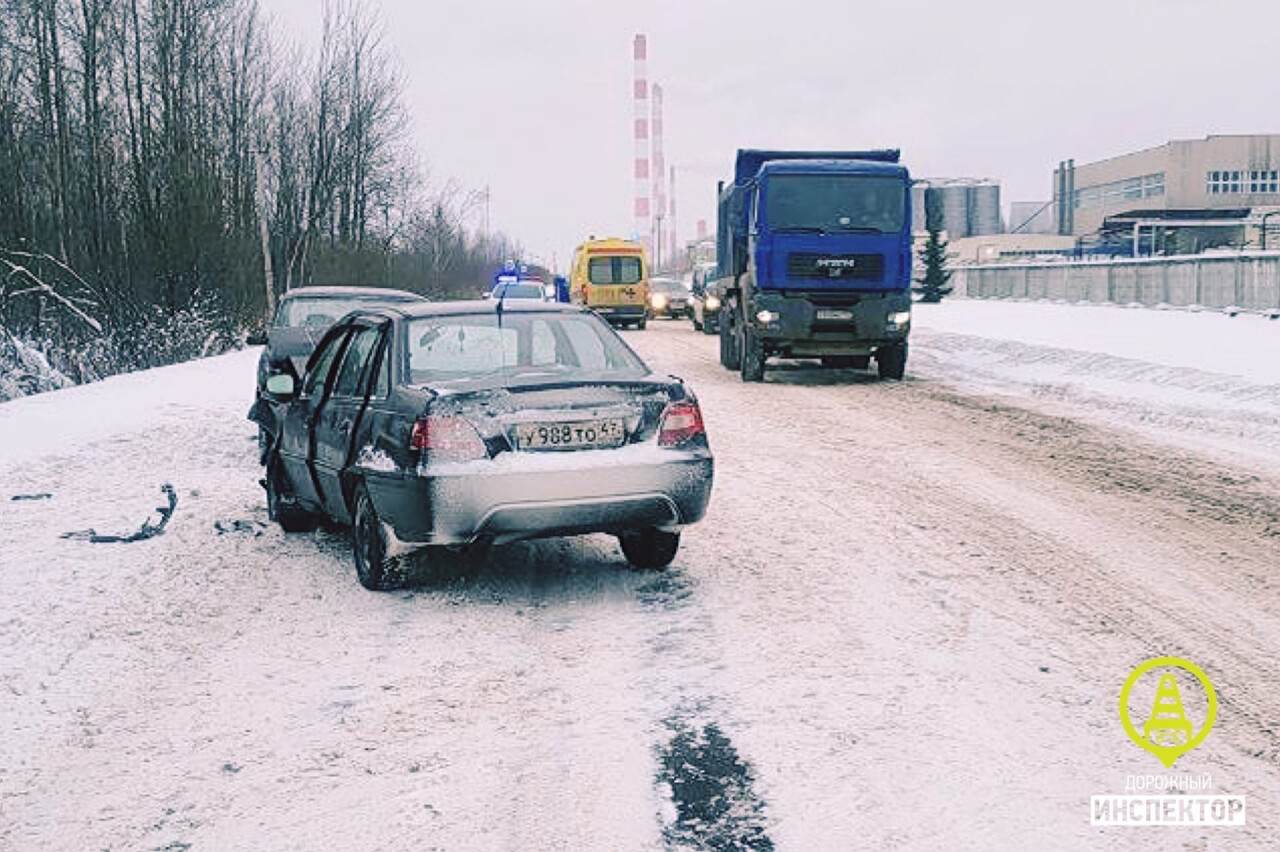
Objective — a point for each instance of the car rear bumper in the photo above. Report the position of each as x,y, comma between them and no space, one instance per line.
623,313
534,495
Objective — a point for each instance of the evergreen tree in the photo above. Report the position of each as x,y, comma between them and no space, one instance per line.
933,286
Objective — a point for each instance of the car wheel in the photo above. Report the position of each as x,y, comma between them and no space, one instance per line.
752,359
697,326
891,361
642,323
281,505
374,568
650,549
729,352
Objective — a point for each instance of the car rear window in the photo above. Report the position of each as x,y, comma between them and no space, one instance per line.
519,291
320,312
526,345
614,270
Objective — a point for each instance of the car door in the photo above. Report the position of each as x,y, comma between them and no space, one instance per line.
296,434
338,416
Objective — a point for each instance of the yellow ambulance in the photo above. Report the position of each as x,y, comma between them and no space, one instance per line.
611,277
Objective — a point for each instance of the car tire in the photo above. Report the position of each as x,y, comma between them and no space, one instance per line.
281,506
729,351
752,359
649,549
642,323
891,361
697,326
375,570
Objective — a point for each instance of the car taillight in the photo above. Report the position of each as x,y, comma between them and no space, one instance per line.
447,438
681,422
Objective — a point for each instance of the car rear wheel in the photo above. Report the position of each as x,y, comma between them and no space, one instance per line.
651,549
374,568
281,505
891,361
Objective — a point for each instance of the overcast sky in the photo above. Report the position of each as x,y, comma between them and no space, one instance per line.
533,99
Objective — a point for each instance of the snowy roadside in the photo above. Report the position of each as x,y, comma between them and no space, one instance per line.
1203,381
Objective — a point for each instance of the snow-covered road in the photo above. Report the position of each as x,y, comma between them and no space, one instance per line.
903,625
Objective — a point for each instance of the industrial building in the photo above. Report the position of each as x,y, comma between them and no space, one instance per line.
960,207
1197,193
1032,217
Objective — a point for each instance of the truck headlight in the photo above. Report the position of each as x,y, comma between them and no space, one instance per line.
898,320
766,317
712,303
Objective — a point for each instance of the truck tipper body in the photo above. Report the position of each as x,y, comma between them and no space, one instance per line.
814,260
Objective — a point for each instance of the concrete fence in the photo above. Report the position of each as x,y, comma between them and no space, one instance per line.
1248,281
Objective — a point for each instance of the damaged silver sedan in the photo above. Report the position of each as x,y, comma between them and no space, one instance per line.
447,424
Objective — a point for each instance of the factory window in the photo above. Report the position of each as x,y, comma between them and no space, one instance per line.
1088,197
1264,181
1153,185
1224,182
1133,188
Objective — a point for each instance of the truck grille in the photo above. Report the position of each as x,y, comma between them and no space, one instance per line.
851,267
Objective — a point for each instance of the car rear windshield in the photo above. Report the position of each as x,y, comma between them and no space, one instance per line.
666,285
614,270
529,346
321,311
519,291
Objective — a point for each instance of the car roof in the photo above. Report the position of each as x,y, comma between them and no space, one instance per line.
419,310
359,292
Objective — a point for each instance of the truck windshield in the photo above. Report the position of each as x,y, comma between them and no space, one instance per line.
613,270
832,203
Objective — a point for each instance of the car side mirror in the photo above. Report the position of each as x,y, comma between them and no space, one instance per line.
281,386
256,338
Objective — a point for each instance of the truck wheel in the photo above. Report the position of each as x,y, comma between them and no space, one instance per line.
730,354
752,355
651,549
281,505
891,361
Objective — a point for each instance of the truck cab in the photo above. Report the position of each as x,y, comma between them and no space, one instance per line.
814,260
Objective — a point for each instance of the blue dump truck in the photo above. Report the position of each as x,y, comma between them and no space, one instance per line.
813,260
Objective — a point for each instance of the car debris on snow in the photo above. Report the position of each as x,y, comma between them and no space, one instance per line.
147,530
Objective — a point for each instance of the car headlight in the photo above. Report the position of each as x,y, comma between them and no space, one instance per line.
658,300
898,320
766,317
712,303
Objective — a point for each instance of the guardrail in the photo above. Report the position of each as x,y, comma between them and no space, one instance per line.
1249,281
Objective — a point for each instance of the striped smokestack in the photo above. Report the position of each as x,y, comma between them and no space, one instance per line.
671,222
659,175
640,97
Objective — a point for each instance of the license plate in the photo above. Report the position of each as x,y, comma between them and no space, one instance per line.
575,435
833,314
